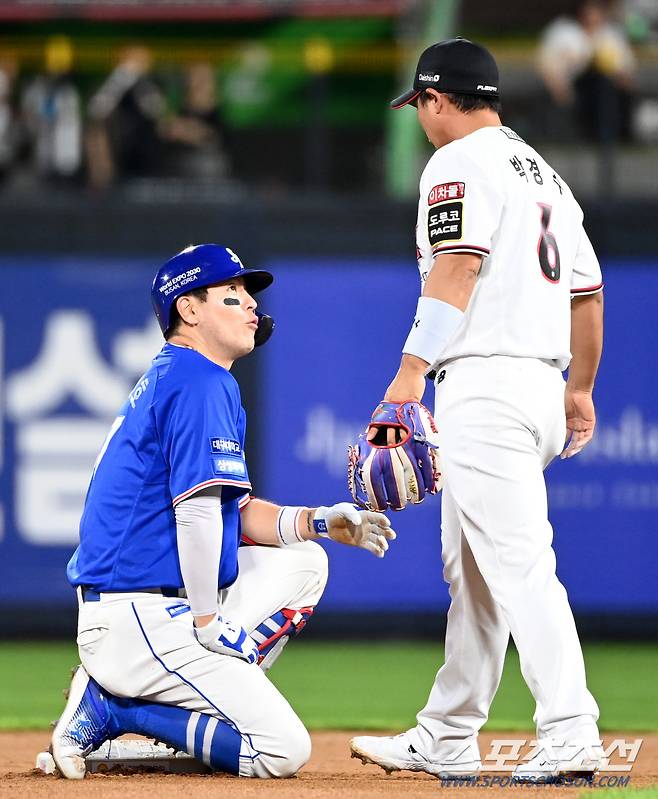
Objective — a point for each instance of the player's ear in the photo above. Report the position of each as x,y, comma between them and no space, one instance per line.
434,101
186,310
438,100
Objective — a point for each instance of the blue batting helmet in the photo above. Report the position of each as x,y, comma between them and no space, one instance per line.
196,267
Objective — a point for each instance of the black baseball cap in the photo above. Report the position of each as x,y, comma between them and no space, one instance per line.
454,65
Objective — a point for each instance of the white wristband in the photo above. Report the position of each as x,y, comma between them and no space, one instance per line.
287,525
435,324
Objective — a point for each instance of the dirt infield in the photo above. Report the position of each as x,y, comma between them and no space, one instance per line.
330,773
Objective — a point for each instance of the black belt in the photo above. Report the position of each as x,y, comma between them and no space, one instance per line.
91,595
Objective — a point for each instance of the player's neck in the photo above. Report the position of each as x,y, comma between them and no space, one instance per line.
195,343
465,124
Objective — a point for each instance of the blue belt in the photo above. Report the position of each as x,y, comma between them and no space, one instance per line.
90,595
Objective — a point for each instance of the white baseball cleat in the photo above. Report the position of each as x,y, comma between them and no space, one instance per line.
397,753
82,727
554,764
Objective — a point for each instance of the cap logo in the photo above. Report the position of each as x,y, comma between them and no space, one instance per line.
482,88
429,78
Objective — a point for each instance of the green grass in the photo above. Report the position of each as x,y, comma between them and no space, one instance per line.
381,686
357,686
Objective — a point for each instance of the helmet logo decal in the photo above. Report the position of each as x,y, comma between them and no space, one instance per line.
180,280
234,257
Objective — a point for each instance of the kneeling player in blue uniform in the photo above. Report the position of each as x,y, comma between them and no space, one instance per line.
175,615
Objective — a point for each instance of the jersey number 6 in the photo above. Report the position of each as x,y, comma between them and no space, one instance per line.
549,255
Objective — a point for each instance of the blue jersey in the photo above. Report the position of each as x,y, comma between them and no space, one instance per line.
181,429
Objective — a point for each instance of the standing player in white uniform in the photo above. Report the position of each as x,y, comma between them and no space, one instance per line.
174,612
511,296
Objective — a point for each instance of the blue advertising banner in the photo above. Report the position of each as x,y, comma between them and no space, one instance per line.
75,334
340,328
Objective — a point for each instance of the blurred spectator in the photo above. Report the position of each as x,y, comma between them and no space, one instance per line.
8,122
50,107
587,66
197,133
123,138
641,19
247,86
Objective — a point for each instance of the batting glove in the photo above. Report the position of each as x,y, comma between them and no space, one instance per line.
227,638
347,524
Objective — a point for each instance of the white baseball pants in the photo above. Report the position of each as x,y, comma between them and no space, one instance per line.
136,645
501,421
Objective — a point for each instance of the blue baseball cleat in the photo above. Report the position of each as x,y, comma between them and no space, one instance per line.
83,726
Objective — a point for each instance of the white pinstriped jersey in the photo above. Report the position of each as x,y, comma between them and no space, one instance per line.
491,194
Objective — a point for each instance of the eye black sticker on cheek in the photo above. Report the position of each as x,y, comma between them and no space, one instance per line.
231,301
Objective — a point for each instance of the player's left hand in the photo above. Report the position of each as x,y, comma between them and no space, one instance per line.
396,461
358,528
227,638
581,420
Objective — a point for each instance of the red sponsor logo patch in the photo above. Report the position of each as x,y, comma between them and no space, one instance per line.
445,191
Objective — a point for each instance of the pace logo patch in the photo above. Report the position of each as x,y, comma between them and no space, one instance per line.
230,466
446,191
225,446
444,222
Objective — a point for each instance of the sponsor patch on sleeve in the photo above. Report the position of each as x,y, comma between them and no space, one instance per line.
231,467
225,446
446,191
444,222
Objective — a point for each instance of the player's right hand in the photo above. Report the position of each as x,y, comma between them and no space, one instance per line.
357,528
227,638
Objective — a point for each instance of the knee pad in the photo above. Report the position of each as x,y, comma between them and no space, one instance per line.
274,633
